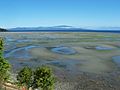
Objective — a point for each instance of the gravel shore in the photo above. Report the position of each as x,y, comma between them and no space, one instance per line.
85,81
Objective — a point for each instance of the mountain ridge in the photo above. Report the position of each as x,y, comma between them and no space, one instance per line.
63,28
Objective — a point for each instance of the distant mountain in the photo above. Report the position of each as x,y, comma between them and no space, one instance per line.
2,30
61,27
65,28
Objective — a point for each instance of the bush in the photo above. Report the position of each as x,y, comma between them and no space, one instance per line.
24,77
43,78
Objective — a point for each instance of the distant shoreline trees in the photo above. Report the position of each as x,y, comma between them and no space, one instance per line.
3,30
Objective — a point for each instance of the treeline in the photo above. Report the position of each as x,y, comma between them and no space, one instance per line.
3,30
41,77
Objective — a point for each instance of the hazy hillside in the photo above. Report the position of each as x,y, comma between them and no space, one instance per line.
63,28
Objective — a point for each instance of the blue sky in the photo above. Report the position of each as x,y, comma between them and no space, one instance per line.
80,13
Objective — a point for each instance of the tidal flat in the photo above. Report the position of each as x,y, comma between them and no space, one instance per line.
80,60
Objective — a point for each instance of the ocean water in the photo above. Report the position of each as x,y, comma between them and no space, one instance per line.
112,31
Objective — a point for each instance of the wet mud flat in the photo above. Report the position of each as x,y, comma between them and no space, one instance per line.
80,61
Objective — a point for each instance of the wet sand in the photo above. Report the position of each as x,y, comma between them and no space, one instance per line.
81,61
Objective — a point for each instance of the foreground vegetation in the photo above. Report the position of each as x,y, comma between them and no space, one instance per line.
4,66
42,77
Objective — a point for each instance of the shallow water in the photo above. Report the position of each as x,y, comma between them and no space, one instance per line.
21,52
63,50
116,60
22,41
103,48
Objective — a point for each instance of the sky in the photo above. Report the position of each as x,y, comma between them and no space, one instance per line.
78,13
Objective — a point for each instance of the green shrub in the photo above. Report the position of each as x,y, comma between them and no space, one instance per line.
24,77
4,66
43,78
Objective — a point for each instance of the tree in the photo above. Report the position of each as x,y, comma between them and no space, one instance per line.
4,66
1,47
43,78
2,30
24,77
